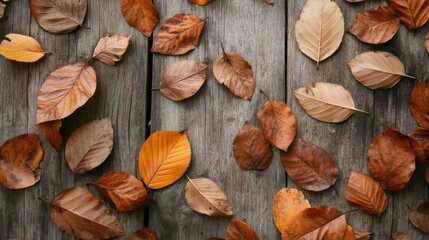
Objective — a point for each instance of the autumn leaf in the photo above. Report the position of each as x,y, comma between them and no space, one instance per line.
2,9
420,217
19,161
362,234
427,42
164,158
109,50
178,35
124,190
21,48
319,30
413,13
233,71
427,174
309,166
365,193
421,135
237,229
82,215
349,234
287,203
200,2
401,236
419,151
377,70
183,79
144,234
89,146
205,196
65,90
251,150
270,2
51,130
326,102
60,16
141,14
375,26
419,103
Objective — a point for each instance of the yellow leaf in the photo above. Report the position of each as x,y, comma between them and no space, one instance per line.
21,48
164,158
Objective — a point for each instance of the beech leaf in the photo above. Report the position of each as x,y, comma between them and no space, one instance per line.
237,229
141,14
21,48
419,104
413,13
144,234
51,130
200,2
109,50
420,217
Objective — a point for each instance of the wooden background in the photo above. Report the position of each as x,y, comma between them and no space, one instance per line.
264,35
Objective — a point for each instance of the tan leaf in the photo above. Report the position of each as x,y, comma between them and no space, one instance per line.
377,70
237,229
200,2
178,35
144,234
326,102
362,234
21,48
205,196
51,130
124,190
59,16
420,217
65,90
109,50
141,14
89,146
419,104
309,166
19,161
319,30
287,203
233,71
365,193
401,236
80,214
375,26
414,13
2,9
183,79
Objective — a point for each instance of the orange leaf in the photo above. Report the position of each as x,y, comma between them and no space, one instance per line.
51,130
200,2
21,48
141,14
238,229
350,234
144,234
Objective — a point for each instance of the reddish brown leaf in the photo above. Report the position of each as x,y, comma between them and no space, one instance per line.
391,160
309,166
251,150
420,217
215,238
421,135
141,14
418,150
413,13
401,236
200,2
144,234
238,229
419,104
427,174
51,130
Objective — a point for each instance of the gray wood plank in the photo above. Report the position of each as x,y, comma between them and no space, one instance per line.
214,116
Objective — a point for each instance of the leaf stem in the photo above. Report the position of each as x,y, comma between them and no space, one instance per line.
43,199
265,95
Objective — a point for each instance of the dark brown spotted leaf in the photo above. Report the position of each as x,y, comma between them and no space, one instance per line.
420,217
419,104
51,130
141,14
237,230
413,13
144,234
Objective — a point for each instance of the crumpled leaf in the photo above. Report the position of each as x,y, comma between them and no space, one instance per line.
144,234
237,229
401,236
141,14
109,50
21,48
420,217
413,13
200,2
205,196
19,161
89,146
51,130
419,105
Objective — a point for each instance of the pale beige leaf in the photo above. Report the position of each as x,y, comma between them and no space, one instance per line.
2,8
21,48
109,50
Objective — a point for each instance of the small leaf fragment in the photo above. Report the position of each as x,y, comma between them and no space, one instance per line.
200,2
420,217
144,234
237,229
51,130
401,236
419,104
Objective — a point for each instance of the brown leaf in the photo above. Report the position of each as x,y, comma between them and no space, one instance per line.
270,2
21,48
309,166
427,174
365,193
89,146
375,26
391,159
178,35
65,90
19,160
144,234
141,14
421,135
413,13
319,222
200,2
109,50
401,236
51,130
419,151
238,229
287,203
233,71
419,104
80,214
59,16
251,150
349,234
420,217
205,196
362,234
124,190
183,79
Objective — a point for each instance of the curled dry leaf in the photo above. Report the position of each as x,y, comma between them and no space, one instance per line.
82,215
287,203
375,26
326,102
421,135
413,13
377,70
365,193
51,130
19,160
420,217
233,71
178,35
109,50
65,90
401,236
21,48
141,14
164,158
183,79
309,166
391,159
319,30
205,196
319,222
238,229
59,16
419,104
200,2
124,190
251,150
144,234
89,146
